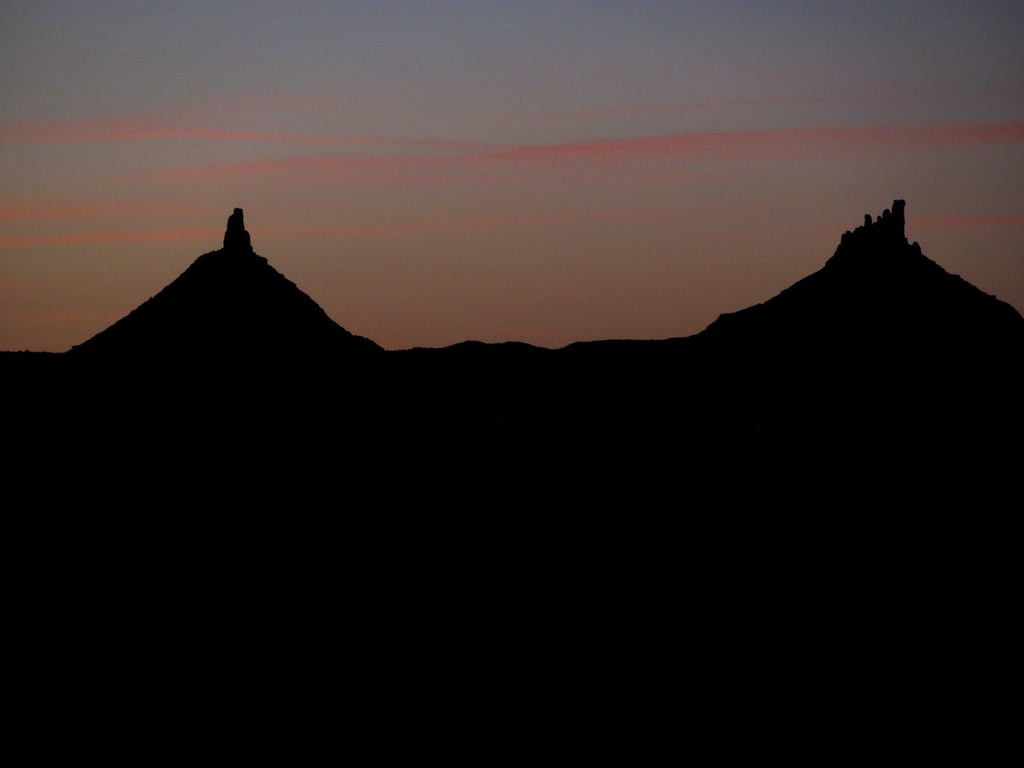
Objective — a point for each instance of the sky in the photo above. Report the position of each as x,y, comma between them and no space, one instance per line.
548,172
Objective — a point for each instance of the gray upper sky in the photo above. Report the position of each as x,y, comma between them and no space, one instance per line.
548,171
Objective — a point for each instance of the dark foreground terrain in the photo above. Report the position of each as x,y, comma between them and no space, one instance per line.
879,348
880,382
795,530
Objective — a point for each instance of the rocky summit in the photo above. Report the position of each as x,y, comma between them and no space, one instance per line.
877,298
229,308
236,238
880,340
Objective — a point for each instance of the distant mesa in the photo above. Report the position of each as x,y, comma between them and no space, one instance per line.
236,238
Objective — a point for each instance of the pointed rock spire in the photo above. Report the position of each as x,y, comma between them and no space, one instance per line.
236,238
899,223
889,227
884,232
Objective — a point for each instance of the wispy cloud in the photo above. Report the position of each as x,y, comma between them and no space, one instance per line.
772,143
639,110
753,145
344,163
398,227
420,226
165,235
953,221
17,209
148,128
357,170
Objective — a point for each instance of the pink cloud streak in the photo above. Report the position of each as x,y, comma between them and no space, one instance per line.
684,106
172,235
952,221
425,226
754,145
406,227
141,129
770,143
399,227
28,209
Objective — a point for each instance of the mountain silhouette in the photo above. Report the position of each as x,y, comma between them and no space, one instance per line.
881,339
230,306
813,450
790,464
877,299
877,296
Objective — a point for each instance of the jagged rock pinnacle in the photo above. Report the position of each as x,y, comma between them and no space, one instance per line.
236,238
886,230
898,220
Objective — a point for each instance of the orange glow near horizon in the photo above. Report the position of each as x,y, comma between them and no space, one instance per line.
436,172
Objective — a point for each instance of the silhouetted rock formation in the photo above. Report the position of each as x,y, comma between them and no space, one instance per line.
794,468
881,339
236,238
229,307
887,230
877,298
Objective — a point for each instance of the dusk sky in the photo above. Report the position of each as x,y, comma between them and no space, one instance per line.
548,172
